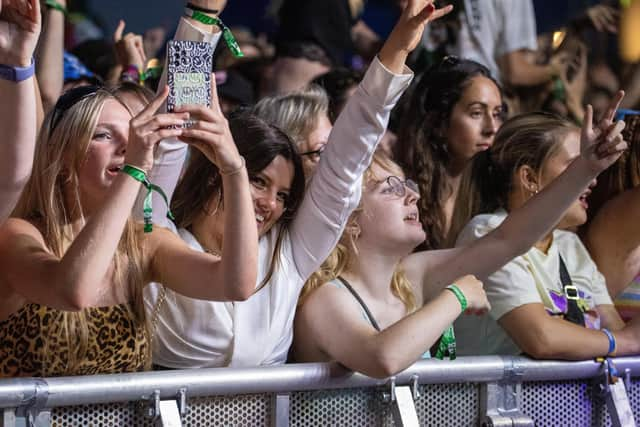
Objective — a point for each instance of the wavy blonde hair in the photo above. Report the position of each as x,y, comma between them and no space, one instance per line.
59,156
347,249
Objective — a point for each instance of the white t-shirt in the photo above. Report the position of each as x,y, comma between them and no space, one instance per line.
193,333
531,278
490,29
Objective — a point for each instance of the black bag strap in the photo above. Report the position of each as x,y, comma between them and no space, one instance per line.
361,302
574,314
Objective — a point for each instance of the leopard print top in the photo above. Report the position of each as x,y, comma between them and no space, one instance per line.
116,342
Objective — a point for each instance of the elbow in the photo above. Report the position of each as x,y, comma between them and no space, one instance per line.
539,346
244,290
76,301
385,364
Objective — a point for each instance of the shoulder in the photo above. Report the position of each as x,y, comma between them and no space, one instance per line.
328,300
15,230
479,226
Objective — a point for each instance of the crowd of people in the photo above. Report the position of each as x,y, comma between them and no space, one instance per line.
342,198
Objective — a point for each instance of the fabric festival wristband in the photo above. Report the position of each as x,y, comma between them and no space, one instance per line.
229,39
612,342
141,176
447,345
53,4
459,295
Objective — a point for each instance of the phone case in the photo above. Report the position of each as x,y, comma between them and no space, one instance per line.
189,66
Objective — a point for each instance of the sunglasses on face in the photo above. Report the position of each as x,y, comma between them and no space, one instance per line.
399,187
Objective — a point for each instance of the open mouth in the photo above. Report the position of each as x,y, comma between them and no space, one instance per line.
412,217
114,169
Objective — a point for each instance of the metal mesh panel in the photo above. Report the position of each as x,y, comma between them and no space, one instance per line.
438,405
350,407
561,403
448,405
247,410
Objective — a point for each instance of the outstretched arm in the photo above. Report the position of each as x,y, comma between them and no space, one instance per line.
19,31
49,56
171,153
334,190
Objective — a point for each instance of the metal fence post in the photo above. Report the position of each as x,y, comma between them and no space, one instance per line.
500,405
280,408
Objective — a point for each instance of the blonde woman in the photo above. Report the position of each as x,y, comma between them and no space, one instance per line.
72,262
302,115
19,31
294,240
376,308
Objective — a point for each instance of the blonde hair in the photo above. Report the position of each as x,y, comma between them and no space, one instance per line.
346,249
58,158
295,113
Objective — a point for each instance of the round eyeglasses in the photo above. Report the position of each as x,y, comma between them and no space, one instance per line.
399,187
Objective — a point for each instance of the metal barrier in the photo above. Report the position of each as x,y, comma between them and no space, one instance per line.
491,391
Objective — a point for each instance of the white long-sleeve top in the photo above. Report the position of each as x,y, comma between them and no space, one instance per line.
194,333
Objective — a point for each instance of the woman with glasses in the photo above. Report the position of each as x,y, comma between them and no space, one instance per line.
302,115
376,308
453,113
73,264
193,333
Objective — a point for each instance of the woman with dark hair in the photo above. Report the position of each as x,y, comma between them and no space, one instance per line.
452,114
551,302
613,236
193,333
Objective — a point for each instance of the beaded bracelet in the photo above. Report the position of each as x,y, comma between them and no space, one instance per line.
234,171
141,176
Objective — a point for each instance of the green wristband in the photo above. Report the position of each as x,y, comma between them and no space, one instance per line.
147,209
229,39
447,345
53,4
459,295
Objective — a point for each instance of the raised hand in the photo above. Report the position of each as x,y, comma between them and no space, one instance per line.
601,145
408,31
210,133
148,128
129,48
20,24
210,4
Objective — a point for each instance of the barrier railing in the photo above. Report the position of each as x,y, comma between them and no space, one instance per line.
491,390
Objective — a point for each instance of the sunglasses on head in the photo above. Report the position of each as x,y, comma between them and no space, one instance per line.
68,100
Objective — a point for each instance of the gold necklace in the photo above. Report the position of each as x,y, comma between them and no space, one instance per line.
212,252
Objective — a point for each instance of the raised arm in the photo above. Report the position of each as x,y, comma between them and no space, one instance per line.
79,278
201,275
600,147
334,190
49,56
19,31
171,153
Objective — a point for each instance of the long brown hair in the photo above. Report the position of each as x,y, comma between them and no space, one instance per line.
623,174
422,147
346,250
60,152
525,140
259,143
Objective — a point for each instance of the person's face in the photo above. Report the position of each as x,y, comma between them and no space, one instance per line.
312,147
270,190
474,120
389,217
568,150
105,154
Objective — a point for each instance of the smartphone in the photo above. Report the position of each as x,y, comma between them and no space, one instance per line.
189,65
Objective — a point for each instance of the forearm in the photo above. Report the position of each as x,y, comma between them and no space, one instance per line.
18,130
86,262
49,58
171,153
240,237
414,334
